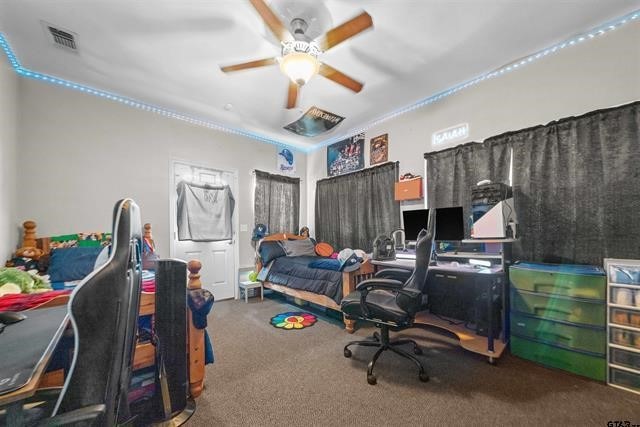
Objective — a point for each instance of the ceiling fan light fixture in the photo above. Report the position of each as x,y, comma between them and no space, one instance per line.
299,67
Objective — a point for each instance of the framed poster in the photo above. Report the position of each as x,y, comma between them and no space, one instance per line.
285,161
379,152
314,122
346,156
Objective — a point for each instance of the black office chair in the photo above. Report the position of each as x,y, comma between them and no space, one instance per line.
103,310
391,304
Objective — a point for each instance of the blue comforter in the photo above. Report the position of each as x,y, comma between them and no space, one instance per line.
294,272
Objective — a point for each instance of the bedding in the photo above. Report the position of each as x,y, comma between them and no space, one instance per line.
295,272
304,247
270,251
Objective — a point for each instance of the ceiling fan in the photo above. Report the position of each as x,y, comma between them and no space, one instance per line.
299,59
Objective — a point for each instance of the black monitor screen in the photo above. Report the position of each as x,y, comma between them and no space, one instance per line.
449,224
414,221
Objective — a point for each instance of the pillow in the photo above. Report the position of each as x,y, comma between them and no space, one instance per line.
326,264
67,264
270,251
299,247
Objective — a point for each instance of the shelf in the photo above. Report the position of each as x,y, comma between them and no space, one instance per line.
489,240
627,327
624,347
468,255
621,285
624,368
144,356
626,307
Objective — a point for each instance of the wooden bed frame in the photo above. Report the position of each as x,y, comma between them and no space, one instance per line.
145,353
349,282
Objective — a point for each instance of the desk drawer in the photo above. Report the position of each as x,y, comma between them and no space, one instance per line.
552,279
568,335
554,307
592,366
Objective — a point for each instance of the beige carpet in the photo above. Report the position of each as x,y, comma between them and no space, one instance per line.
265,376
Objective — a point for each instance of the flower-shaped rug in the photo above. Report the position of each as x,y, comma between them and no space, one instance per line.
293,320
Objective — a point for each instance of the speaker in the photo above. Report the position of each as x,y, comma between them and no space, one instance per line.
171,332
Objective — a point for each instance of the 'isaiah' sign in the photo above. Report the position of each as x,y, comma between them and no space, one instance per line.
450,134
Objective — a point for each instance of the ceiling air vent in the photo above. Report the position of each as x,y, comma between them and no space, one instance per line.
60,37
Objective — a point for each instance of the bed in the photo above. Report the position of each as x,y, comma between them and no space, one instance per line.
293,276
145,351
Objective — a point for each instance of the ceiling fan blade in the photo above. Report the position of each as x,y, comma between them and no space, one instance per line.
250,64
292,97
340,78
345,31
272,21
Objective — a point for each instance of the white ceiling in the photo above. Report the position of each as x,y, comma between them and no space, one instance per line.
168,53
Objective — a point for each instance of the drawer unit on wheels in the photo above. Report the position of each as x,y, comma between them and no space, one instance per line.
558,316
623,323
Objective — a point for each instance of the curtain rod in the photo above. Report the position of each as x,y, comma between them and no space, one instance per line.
253,172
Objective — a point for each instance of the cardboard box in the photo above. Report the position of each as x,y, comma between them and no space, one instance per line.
409,189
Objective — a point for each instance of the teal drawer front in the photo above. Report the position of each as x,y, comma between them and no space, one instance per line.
591,366
554,307
568,335
558,281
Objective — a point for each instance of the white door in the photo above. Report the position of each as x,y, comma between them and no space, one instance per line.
218,258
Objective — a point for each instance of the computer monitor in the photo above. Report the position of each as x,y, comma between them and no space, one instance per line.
449,223
414,221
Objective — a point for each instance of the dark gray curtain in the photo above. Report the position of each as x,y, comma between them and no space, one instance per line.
353,209
452,173
277,202
577,187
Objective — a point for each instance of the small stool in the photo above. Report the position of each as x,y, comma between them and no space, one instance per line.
246,285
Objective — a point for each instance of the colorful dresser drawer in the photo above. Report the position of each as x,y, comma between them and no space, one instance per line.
580,363
580,281
561,334
556,307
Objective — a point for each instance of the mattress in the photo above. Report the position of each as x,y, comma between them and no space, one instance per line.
295,273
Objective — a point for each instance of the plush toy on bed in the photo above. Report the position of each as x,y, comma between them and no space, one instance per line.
26,258
16,281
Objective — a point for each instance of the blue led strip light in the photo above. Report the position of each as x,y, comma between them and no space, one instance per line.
131,102
598,31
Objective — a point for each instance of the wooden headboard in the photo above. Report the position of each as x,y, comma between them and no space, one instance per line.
29,238
283,236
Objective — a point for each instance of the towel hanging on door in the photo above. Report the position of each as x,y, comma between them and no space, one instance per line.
204,212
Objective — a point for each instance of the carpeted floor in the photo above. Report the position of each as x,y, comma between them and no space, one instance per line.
267,376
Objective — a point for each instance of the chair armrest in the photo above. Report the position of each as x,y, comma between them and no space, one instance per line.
87,413
394,273
379,284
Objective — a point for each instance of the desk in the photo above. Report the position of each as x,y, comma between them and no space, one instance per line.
488,346
25,350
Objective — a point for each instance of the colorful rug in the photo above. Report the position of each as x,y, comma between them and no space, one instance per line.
293,320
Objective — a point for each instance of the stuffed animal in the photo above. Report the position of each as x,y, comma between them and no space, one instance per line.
26,258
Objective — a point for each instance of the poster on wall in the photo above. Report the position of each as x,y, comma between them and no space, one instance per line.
379,152
314,122
285,161
346,156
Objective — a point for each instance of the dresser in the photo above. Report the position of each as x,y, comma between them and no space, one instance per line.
558,316
623,281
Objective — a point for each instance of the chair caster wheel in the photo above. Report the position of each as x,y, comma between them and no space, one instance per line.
347,353
423,377
417,350
371,379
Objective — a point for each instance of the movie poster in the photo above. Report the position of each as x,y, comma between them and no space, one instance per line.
346,156
314,122
379,149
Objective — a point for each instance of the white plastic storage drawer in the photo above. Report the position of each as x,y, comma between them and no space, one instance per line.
624,337
624,274
626,379
628,359
620,316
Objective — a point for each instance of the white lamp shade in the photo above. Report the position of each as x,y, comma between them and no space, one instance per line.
299,67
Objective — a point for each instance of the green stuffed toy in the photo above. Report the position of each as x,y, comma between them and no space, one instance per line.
14,280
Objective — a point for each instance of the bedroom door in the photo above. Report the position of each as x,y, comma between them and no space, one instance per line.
219,259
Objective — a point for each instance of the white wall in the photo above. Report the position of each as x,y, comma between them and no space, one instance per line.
599,73
8,139
80,154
